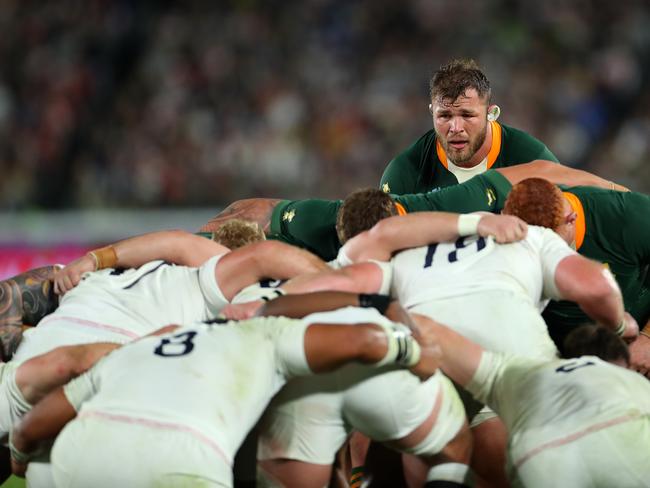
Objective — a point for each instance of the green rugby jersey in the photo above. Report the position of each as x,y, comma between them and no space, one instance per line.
423,166
311,223
613,228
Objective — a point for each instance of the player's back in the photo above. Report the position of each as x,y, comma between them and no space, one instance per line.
474,264
489,292
566,392
563,414
213,380
119,306
154,293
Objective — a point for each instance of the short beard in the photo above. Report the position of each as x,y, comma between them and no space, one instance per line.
470,151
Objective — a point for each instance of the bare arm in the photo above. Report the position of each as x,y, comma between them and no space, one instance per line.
40,375
27,297
423,228
558,174
330,346
175,246
269,259
253,209
357,278
24,300
594,289
460,356
42,423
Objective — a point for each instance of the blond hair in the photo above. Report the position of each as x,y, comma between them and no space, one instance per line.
236,233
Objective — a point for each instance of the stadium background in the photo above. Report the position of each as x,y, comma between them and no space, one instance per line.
118,117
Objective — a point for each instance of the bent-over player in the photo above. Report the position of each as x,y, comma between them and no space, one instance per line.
194,391
310,418
581,422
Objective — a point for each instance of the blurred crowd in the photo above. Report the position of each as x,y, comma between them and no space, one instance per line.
197,103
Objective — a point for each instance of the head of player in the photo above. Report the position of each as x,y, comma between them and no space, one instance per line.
460,104
539,202
596,340
361,210
237,233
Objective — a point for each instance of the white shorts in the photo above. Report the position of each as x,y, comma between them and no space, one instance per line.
311,418
99,452
598,456
12,402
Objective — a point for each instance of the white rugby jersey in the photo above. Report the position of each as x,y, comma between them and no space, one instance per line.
474,264
156,293
121,306
213,381
552,399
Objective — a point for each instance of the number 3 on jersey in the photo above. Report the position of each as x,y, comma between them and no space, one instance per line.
178,345
453,256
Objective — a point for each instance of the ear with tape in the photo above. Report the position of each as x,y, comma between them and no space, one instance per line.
431,108
493,112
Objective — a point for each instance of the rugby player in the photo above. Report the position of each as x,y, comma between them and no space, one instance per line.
582,422
111,304
27,298
493,294
311,223
310,418
608,226
183,402
466,139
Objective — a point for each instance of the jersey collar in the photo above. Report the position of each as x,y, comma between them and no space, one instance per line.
495,148
581,226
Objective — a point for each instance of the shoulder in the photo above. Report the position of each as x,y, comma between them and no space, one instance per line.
519,146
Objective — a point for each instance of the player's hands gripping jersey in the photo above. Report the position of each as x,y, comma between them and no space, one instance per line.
504,228
70,276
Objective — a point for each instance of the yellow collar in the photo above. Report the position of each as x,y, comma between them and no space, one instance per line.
581,226
495,147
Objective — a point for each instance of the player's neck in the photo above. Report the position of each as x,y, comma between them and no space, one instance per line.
482,152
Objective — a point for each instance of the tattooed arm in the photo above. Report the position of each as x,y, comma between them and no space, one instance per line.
24,300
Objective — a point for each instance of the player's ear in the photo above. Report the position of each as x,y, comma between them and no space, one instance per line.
493,112
431,108
571,218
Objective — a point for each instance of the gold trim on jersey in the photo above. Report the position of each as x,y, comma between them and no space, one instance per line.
493,154
581,226
400,209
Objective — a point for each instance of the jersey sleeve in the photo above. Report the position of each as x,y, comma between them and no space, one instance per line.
209,286
486,192
310,224
553,250
289,339
498,379
403,172
82,388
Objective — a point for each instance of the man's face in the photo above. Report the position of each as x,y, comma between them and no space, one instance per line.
461,124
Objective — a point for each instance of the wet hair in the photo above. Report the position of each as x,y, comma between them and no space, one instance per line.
537,202
237,233
456,77
595,340
361,210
